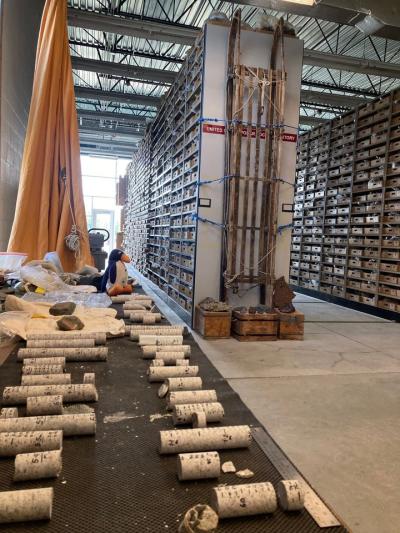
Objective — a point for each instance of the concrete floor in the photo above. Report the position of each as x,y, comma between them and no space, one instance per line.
331,402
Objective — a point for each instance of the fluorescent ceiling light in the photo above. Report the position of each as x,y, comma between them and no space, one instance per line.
304,2
369,25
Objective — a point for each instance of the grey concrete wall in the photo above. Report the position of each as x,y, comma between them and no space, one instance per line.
20,22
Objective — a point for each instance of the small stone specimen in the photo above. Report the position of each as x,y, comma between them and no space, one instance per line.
283,296
199,519
70,323
228,467
209,304
62,308
245,474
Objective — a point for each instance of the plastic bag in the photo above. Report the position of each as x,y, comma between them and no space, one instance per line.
98,299
11,261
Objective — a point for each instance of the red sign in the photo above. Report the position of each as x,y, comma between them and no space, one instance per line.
214,128
219,129
289,137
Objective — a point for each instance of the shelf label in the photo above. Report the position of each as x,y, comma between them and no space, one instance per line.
216,129
289,137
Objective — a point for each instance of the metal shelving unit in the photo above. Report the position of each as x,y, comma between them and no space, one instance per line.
167,169
346,235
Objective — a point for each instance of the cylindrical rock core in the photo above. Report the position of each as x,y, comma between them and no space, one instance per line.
182,413
150,319
44,405
155,330
70,354
9,412
183,383
40,361
79,424
61,343
139,316
70,393
205,439
99,337
39,465
244,500
160,340
199,419
204,465
163,372
167,362
134,305
290,495
149,352
26,505
89,377
42,369
196,396
169,358
129,307
46,379
29,441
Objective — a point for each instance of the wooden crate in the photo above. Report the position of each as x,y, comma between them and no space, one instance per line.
291,326
213,325
249,327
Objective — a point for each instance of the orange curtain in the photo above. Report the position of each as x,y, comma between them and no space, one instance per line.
50,197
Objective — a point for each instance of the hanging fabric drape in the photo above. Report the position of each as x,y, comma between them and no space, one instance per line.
50,203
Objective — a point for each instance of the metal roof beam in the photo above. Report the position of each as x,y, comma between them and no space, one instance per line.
147,29
116,96
335,100
351,64
347,12
124,70
126,52
114,132
311,121
92,140
122,118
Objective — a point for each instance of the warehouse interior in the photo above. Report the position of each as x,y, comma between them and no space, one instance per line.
199,265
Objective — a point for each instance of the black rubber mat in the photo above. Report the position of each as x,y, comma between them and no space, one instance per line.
117,482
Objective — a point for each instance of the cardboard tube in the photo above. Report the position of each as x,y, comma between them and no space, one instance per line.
79,424
62,343
205,465
39,465
161,373
31,441
26,505
42,369
182,413
99,337
244,500
9,412
160,340
199,419
89,377
149,352
196,396
46,379
40,361
70,393
185,383
204,439
44,405
70,354
290,495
